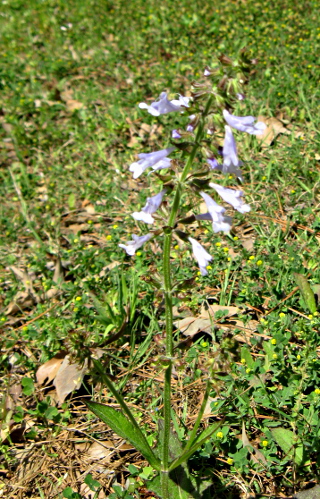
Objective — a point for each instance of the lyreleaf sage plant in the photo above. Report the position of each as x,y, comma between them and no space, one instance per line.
196,162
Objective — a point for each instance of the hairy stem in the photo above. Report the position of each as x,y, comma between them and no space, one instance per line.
168,303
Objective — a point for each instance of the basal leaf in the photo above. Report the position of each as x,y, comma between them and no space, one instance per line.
306,292
121,425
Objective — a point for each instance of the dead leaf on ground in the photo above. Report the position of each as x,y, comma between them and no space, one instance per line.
74,105
69,378
256,454
49,369
274,128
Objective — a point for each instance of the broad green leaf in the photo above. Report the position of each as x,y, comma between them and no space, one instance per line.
191,450
306,292
286,439
121,425
246,355
180,485
71,201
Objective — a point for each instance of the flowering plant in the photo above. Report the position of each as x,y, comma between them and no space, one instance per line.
207,109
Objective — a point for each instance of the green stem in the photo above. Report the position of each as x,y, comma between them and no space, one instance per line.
193,435
168,305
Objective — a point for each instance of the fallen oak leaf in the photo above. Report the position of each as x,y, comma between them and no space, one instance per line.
69,378
49,369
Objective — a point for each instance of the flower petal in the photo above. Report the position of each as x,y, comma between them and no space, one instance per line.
244,123
201,255
232,197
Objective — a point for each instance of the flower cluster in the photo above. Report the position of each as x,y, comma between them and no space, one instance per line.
230,164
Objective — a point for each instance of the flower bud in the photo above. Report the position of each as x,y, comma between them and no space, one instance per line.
225,60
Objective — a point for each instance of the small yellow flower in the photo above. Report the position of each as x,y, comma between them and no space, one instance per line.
229,259
243,361
90,222
3,319
293,191
218,245
115,226
251,257
230,461
219,434
176,247
75,309
275,356
226,249
259,262
209,267
273,341
235,238
310,316
206,231
264,443
78,298
317,391
138,253
109,237
282,315
315,314
204,344
248,370
298,357
76,240
264,178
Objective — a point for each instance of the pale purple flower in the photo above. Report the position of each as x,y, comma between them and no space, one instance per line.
201,255
244,123
240,96
216,215
207,71
153,203
231,162
164,106
156,160
214,164
232,197
192,120
175,134
136,243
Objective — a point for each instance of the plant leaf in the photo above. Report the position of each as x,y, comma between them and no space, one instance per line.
199,441
306,292
286,439
121,425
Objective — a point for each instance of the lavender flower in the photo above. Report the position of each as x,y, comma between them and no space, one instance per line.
153,203
156,160
244,123
229,153
175,134
201,255
132,246
232,197
215,214
164,106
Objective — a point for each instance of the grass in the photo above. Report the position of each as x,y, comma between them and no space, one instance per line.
71,77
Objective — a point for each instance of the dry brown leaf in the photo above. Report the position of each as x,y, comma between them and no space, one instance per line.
21,301
274,128
73,105
49,369
69,378
193,325
256,455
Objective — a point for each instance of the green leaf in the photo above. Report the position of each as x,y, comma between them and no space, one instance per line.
286,440
306,292
92,483
199,441
28,386
121,425
180,487
71,201
246,355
